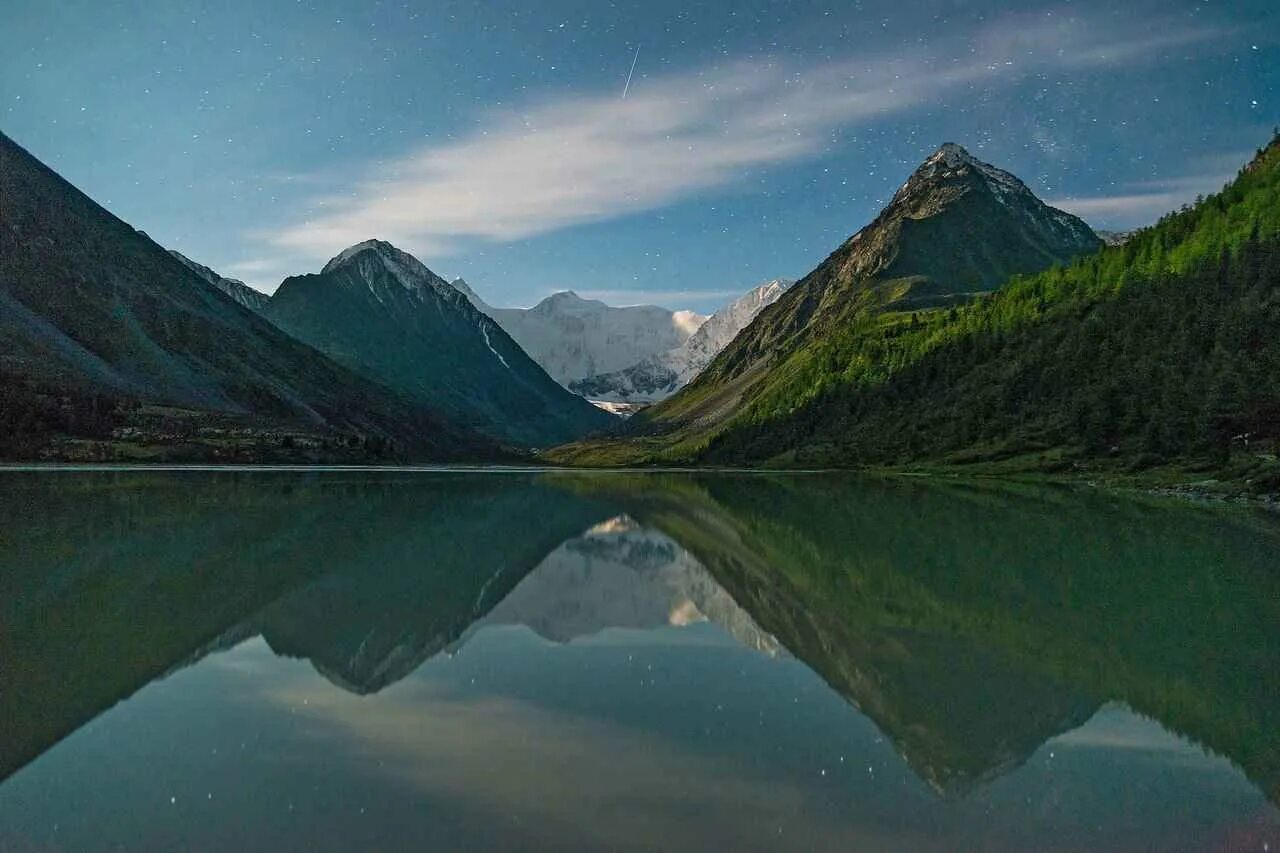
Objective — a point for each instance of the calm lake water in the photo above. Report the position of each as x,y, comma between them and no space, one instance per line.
550,661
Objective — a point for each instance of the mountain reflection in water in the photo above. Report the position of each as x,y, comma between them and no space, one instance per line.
559,659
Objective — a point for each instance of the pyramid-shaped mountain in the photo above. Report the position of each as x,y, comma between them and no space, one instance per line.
958,227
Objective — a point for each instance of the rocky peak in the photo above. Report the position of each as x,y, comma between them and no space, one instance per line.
952,155
952,163
964,224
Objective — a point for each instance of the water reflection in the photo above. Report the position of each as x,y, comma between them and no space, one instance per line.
620,575
555,660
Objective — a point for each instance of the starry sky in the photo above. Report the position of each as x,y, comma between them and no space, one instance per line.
510,142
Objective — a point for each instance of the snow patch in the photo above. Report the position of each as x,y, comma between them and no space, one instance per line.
655,377
572,338
484,332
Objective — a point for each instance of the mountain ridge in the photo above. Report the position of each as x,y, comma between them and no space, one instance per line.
254,300
382,312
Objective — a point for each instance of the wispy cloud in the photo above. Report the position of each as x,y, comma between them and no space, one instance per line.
657,297
251,267
582,158
1142,202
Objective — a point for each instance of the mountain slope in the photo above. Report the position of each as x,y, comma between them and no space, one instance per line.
659,376
957,228
382,313
573,338
254,300
94,316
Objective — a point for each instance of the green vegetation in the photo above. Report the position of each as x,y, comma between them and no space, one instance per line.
1163,351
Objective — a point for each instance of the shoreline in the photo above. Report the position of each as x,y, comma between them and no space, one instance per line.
1206,490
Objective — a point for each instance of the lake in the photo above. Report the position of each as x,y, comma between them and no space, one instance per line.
544,660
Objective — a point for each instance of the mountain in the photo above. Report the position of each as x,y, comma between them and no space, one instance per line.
1155,360
109,345
254,300
957,228
659,376
380,312
573,338
618,574
1158,353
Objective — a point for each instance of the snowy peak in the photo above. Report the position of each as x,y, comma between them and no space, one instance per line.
756,297
370,257
572,338
655,377
952,160
567,301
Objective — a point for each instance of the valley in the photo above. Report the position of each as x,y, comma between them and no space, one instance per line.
969,328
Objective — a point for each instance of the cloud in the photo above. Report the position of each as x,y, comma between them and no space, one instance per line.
544,778
252,266
581,158
656,297
1141,203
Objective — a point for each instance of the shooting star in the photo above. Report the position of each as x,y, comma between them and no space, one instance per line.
629,73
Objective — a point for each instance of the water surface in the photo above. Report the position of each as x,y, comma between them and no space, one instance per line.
391,660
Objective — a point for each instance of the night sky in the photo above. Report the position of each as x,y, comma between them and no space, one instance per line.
494,140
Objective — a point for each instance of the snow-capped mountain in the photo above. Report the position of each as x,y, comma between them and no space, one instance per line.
663,374
381,312
618,574
254,300
573,338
